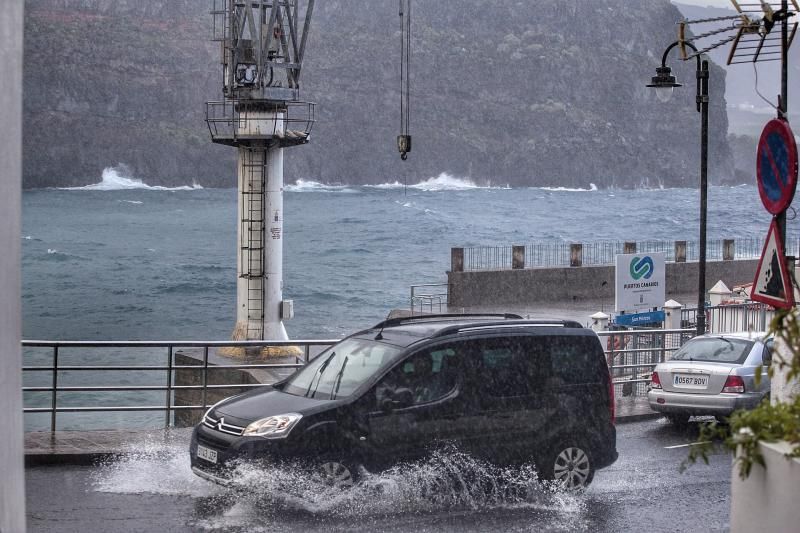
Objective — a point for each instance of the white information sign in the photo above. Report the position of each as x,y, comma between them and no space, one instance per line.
640,281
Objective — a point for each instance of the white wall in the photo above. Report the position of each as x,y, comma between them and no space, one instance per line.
768,499
12,493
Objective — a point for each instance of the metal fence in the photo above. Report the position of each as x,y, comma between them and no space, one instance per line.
231,120
148,386
558,253
729,318
631,357
429,298
633,354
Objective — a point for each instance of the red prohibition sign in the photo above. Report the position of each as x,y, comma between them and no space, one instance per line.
776,166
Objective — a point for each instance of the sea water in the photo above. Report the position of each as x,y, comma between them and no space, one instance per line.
123,260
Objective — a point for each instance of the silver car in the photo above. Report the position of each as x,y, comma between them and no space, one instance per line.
712,375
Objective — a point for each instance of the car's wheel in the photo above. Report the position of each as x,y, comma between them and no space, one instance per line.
678,420
336,474
570,466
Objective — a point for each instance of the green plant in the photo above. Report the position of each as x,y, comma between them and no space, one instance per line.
766,422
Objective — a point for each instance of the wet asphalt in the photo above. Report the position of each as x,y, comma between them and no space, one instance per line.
155,491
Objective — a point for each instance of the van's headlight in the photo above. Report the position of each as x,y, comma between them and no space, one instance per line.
273,427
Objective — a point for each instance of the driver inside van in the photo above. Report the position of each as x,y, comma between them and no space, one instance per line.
421,376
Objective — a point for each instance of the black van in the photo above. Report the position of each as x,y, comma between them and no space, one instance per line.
499,387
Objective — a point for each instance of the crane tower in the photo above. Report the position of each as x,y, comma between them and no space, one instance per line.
262,43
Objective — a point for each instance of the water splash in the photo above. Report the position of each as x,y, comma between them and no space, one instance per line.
151,466
290,496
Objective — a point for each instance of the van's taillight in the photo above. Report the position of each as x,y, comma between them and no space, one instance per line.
613,404
655,381
733,384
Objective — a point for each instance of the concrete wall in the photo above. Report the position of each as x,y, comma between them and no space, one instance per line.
563,284
767,499
12,486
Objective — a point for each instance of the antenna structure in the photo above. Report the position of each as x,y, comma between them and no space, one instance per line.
751,32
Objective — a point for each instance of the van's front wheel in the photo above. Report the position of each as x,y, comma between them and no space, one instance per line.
570,467
336,474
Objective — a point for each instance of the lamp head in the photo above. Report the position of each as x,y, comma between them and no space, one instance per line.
663,82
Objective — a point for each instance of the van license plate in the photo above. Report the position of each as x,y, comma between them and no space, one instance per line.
207,454
690,381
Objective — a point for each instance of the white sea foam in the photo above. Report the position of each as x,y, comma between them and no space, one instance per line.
445,182
120,178
302,185
592,187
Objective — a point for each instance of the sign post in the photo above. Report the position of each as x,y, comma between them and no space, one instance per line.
776,171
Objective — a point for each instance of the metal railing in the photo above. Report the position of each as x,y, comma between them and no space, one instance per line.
59,372
232,121
429,298
633,354
558,253
751,316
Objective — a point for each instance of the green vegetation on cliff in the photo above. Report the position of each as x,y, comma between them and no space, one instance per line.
525,93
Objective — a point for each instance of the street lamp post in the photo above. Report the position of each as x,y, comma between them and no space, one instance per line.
664,82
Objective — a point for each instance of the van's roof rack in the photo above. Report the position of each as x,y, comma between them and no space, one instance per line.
516,325
396,321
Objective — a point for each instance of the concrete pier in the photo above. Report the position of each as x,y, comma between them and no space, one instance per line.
515,287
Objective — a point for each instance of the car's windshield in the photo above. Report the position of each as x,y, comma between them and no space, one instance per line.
339,370
714,350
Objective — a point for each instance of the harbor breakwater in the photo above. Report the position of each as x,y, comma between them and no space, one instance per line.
570,284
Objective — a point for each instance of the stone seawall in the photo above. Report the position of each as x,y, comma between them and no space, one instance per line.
567,284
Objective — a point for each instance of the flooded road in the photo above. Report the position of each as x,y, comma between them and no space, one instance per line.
155,491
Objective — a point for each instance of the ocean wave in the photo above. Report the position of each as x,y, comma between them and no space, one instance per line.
442,182
120,178
592,187
302,185
55,255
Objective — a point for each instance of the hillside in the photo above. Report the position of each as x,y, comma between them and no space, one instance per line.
524,93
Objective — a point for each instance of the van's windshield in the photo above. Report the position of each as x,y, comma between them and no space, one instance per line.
339,370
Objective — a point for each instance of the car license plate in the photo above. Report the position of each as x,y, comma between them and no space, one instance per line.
207,454
690,381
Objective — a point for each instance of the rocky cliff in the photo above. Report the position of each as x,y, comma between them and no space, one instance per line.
526,93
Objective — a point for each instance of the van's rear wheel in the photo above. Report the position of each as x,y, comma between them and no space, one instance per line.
336,474
570,467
